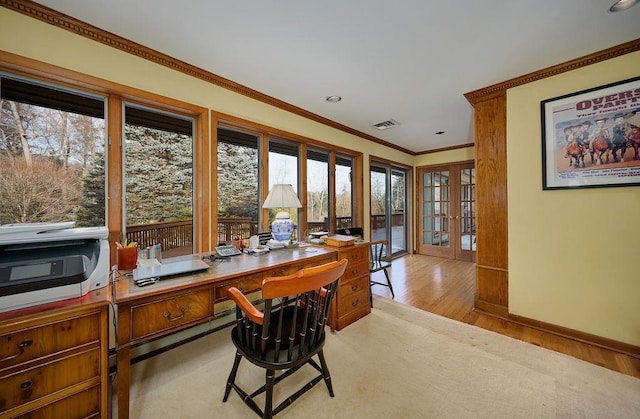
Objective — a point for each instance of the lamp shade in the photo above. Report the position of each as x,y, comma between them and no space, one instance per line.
282,196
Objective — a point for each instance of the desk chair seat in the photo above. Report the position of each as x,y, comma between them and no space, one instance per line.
286,334
379,262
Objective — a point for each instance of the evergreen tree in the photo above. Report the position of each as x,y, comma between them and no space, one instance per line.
91,211
237,181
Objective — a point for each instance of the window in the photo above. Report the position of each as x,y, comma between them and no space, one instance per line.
158,173
317,191
344,192
283,168
52,153
238,187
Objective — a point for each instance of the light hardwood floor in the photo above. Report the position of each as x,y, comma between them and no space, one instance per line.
447,287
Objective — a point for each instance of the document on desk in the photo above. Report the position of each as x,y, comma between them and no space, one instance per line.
170,268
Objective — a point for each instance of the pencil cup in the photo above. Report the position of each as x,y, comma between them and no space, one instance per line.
155,253
127,258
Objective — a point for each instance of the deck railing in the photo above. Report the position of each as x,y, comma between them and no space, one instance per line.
236,228
169,234
179,234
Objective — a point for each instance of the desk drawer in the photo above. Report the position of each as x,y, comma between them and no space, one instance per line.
33,343
147,319
33,383
246,285
355,270
353,286
353,296
355,254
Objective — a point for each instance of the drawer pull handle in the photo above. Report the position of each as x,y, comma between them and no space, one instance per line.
355,287
354,272
173,318
355,303
26,384
21,346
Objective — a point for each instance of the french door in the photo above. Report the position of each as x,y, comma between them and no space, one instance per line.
447,207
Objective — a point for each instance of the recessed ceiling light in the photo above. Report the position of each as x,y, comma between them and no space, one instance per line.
333,99
439,132
623,5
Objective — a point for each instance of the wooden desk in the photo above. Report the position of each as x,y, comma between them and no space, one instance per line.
177,303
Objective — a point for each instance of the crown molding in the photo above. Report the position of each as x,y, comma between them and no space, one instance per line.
453,147
500,88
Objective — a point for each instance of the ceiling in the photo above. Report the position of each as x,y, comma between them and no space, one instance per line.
407,60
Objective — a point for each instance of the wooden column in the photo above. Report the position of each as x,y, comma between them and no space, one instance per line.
492,275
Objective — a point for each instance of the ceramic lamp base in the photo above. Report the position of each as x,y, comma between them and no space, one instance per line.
282,227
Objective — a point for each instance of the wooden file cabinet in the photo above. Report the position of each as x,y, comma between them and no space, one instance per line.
53,363
352,301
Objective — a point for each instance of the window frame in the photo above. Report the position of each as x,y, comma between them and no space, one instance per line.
164,120
55,95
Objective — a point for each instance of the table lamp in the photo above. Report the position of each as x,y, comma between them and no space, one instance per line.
282,196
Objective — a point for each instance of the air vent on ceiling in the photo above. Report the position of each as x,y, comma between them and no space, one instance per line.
390,123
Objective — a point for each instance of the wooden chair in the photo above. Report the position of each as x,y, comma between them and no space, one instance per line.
287,333
379,262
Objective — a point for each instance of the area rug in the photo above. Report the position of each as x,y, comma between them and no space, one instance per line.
397,362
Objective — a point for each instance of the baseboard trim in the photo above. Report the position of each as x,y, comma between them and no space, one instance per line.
492,309
610,344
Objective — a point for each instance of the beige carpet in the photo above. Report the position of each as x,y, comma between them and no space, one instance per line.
397,362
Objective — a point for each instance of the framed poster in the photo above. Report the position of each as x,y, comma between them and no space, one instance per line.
591,138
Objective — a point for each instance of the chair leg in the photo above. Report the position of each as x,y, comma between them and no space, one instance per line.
389,282
268,409
325,373
232,376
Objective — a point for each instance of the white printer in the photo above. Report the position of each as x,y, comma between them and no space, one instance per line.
46,262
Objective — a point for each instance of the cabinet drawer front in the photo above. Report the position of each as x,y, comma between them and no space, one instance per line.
36,382
355,270
353,301
355,254
147,319
80,405
28,344
353,287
